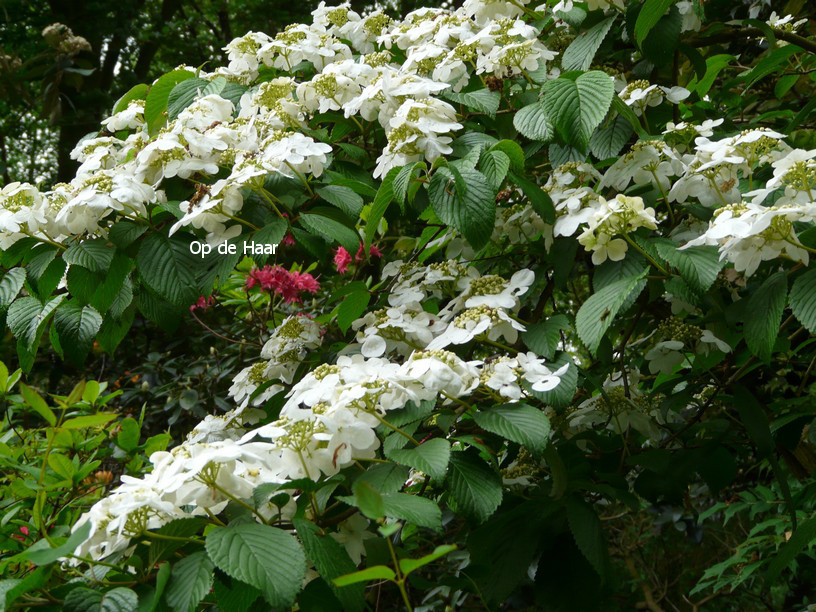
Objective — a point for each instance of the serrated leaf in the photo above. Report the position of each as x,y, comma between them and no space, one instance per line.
431,457
474,486
533,122
597,313
494,165
473,214
94,255
343,198
587,532
331,561
513,151
516,422
267,558
76,326
83,599
155,112
190,581
402,181
577,107
803,300
183,95
27,317
608,141
581,51
764,315
10,286
168,267
481,100
543,338
414,509
124,233
698,266
323,223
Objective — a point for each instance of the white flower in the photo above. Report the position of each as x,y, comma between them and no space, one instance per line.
665,356
493,323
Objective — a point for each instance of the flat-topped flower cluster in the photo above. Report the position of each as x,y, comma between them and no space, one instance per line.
330,415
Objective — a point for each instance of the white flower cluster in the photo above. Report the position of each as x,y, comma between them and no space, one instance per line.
330,415
123,169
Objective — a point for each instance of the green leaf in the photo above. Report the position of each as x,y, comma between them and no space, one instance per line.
409,565
343,198
650,14
323,222
137,92
714,65
331,561
797,544
368,500
352,306
37,404
473,214
431,457
513,151
110,290
533,122
588,533
581,51
494,165
698,266
383,199
414,509
50,555
543,338
129,433
597,313
267,558
236,598
191,580
608,141
481,100
518,423
764,315
61,465
168,267
94,255
475,488
803,300
577,107
124,233
662,42
10,286
27,318
155,113
83,599
76,326
378,572
539,199
88,421
402,182
627,113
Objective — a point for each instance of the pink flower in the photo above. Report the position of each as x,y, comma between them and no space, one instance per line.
372,252
282,282
342,259
288,240
202,303
24,531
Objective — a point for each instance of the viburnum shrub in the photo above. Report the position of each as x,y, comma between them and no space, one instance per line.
538,316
